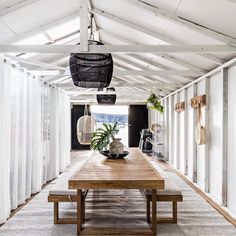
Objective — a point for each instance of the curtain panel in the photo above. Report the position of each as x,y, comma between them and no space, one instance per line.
34,135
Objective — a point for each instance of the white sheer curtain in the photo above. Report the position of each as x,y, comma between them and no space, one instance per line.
4,140
34,135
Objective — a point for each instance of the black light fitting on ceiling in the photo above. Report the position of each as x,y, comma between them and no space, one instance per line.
106,99
91,70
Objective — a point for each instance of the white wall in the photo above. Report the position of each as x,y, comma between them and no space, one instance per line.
204,164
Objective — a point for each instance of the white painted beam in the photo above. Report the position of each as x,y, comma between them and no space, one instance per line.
232,1
172,17
6,48
166,78
182,63
84,25
207,128
15,6
165,56
210,73
194,150
147,31
186,133
43,28
224,133
156,72
35,63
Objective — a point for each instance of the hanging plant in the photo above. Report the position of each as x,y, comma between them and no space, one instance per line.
154,103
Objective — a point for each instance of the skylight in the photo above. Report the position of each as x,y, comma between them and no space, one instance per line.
64,29
38,39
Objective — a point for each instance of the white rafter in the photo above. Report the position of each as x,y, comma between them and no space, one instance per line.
35,63
147,31
167,79
84,25
184,22
43,28
18,5
167,57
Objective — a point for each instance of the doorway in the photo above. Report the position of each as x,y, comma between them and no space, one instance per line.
112,114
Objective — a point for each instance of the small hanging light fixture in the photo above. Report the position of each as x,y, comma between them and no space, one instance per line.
106,99
91,70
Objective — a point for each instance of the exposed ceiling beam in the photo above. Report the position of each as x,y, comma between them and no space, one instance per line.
147,31
43,28
6,48
18,5
165,56
156,72
232,1
35,63
169,80
84,25
184,22
182,63
131,72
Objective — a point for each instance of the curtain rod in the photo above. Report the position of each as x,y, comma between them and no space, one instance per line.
21,69
210,73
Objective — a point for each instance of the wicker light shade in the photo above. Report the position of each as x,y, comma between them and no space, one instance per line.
91,70
85,128
106,99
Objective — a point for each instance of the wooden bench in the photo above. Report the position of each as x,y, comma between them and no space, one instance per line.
57,196
170,193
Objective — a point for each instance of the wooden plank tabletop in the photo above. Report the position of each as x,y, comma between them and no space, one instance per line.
132,172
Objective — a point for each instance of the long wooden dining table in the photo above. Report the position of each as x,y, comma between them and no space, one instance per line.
132,172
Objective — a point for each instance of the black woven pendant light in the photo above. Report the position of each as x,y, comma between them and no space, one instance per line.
91,70
106,99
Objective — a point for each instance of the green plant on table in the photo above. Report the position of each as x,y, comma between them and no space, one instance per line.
155,104
101,137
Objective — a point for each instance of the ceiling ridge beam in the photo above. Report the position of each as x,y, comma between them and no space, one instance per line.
185,22
146,31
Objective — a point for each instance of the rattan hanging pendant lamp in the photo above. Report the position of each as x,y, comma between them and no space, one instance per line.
85,128
91,70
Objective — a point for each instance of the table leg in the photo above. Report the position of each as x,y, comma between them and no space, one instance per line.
154,211
79,209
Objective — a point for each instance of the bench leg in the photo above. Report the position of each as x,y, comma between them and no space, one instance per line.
174,212
148,211
83,211
172,219
56,209
154,211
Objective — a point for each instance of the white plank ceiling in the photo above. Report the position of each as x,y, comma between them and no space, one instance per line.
123,22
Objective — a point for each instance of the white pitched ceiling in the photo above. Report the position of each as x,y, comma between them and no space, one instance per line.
125,22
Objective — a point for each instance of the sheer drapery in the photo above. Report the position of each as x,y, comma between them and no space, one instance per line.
34,135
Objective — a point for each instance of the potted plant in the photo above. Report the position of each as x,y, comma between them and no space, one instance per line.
154,103
103,136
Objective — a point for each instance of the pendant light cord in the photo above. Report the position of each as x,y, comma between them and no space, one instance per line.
91,27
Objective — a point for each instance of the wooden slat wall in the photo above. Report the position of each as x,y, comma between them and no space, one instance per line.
207,165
